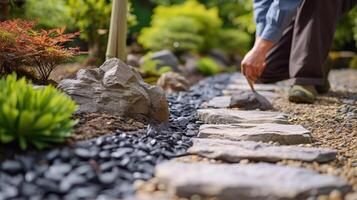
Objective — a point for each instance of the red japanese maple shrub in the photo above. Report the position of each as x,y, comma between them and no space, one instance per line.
23,45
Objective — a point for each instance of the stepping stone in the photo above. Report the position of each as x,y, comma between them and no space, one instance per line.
234,151
248,182
230,116
257,87
282,133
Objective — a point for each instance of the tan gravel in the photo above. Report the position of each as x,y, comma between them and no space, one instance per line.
333,123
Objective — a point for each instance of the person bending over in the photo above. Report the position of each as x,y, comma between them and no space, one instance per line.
293,38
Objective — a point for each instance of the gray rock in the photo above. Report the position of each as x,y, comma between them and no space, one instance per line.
281,133
133,60
246,100
248,182
165,58
251,100
234,151
220,102
229,116
116,88
173,82
267,94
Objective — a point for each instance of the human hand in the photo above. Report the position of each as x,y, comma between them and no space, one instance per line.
253,63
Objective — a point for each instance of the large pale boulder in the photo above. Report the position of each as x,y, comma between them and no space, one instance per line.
118,89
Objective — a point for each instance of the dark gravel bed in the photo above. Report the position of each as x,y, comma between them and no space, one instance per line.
106,167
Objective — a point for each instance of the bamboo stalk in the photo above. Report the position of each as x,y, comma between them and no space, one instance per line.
118,29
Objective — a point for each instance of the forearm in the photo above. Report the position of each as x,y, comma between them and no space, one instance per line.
262,46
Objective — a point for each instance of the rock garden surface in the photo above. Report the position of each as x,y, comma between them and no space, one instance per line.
327,129
225,152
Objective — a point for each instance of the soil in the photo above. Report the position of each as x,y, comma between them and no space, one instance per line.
95,124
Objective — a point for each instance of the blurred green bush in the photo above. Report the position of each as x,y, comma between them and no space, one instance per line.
149,68
207,66
189,27
49,13
39,117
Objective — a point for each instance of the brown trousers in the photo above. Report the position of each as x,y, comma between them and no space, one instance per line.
301,53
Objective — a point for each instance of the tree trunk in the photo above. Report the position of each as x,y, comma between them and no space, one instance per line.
5,10
118,29
95,54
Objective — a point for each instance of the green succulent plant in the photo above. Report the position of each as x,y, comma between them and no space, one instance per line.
39,117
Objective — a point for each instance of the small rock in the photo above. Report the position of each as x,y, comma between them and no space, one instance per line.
71,180
165,58
173,82
86,153
11,166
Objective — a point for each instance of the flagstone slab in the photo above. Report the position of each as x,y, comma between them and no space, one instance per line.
229,116
249,182
283,134
234,151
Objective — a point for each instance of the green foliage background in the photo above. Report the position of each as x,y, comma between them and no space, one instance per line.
191,26
89,16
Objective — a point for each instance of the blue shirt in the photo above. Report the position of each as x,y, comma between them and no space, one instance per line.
272,17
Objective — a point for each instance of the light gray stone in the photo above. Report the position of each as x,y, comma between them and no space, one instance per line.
282,133
249,182
229,116
118,89
165,58
220,102
234,151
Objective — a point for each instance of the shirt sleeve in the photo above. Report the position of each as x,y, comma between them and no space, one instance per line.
261,8
278,17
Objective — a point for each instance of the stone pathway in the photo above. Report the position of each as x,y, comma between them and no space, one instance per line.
232,135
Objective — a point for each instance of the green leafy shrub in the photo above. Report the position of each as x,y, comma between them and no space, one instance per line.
92,18
36,116
189,26
207,66
353,63
234,40
149,68
49,13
